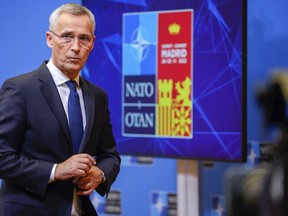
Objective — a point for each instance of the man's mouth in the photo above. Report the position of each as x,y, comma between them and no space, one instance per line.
73,58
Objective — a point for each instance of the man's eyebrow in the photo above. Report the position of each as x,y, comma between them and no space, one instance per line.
71,32
68,32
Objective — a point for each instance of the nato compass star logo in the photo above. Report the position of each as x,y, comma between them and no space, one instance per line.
140,44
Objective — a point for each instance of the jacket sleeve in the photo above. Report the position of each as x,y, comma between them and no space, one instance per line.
108,158
15,166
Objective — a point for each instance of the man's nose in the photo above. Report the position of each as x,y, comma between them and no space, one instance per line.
75,44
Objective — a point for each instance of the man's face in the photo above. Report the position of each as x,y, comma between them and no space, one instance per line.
70,43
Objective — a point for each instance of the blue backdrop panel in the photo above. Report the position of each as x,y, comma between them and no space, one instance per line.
23,40
267,50
145,186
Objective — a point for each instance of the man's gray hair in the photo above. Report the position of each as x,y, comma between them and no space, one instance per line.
73,9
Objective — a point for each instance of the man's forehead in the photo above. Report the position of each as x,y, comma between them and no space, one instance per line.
70,23
66,15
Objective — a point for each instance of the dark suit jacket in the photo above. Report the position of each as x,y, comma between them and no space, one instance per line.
34,135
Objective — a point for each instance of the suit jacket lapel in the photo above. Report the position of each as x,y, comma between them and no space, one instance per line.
51,94
89,110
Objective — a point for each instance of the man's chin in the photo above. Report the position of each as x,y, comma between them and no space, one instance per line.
71,72
73,66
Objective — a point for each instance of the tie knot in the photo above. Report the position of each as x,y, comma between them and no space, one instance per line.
72,85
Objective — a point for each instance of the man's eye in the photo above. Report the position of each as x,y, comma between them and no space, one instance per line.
67,36
85,38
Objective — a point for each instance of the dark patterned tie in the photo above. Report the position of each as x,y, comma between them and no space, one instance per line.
75,116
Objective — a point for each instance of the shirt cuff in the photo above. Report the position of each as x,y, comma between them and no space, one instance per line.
52,174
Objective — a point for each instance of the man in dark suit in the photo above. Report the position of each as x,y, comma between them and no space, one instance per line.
42,171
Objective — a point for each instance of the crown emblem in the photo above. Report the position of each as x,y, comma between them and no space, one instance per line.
174,28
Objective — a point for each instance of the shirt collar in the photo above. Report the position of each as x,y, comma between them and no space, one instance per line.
59,77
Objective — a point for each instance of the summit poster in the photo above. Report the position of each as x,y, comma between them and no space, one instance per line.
157,74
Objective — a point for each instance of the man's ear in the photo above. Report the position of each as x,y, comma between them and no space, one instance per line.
49,39
94,38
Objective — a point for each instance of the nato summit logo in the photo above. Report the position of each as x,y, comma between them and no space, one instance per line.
157,74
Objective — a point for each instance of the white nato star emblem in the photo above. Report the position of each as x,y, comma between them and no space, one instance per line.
140,43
